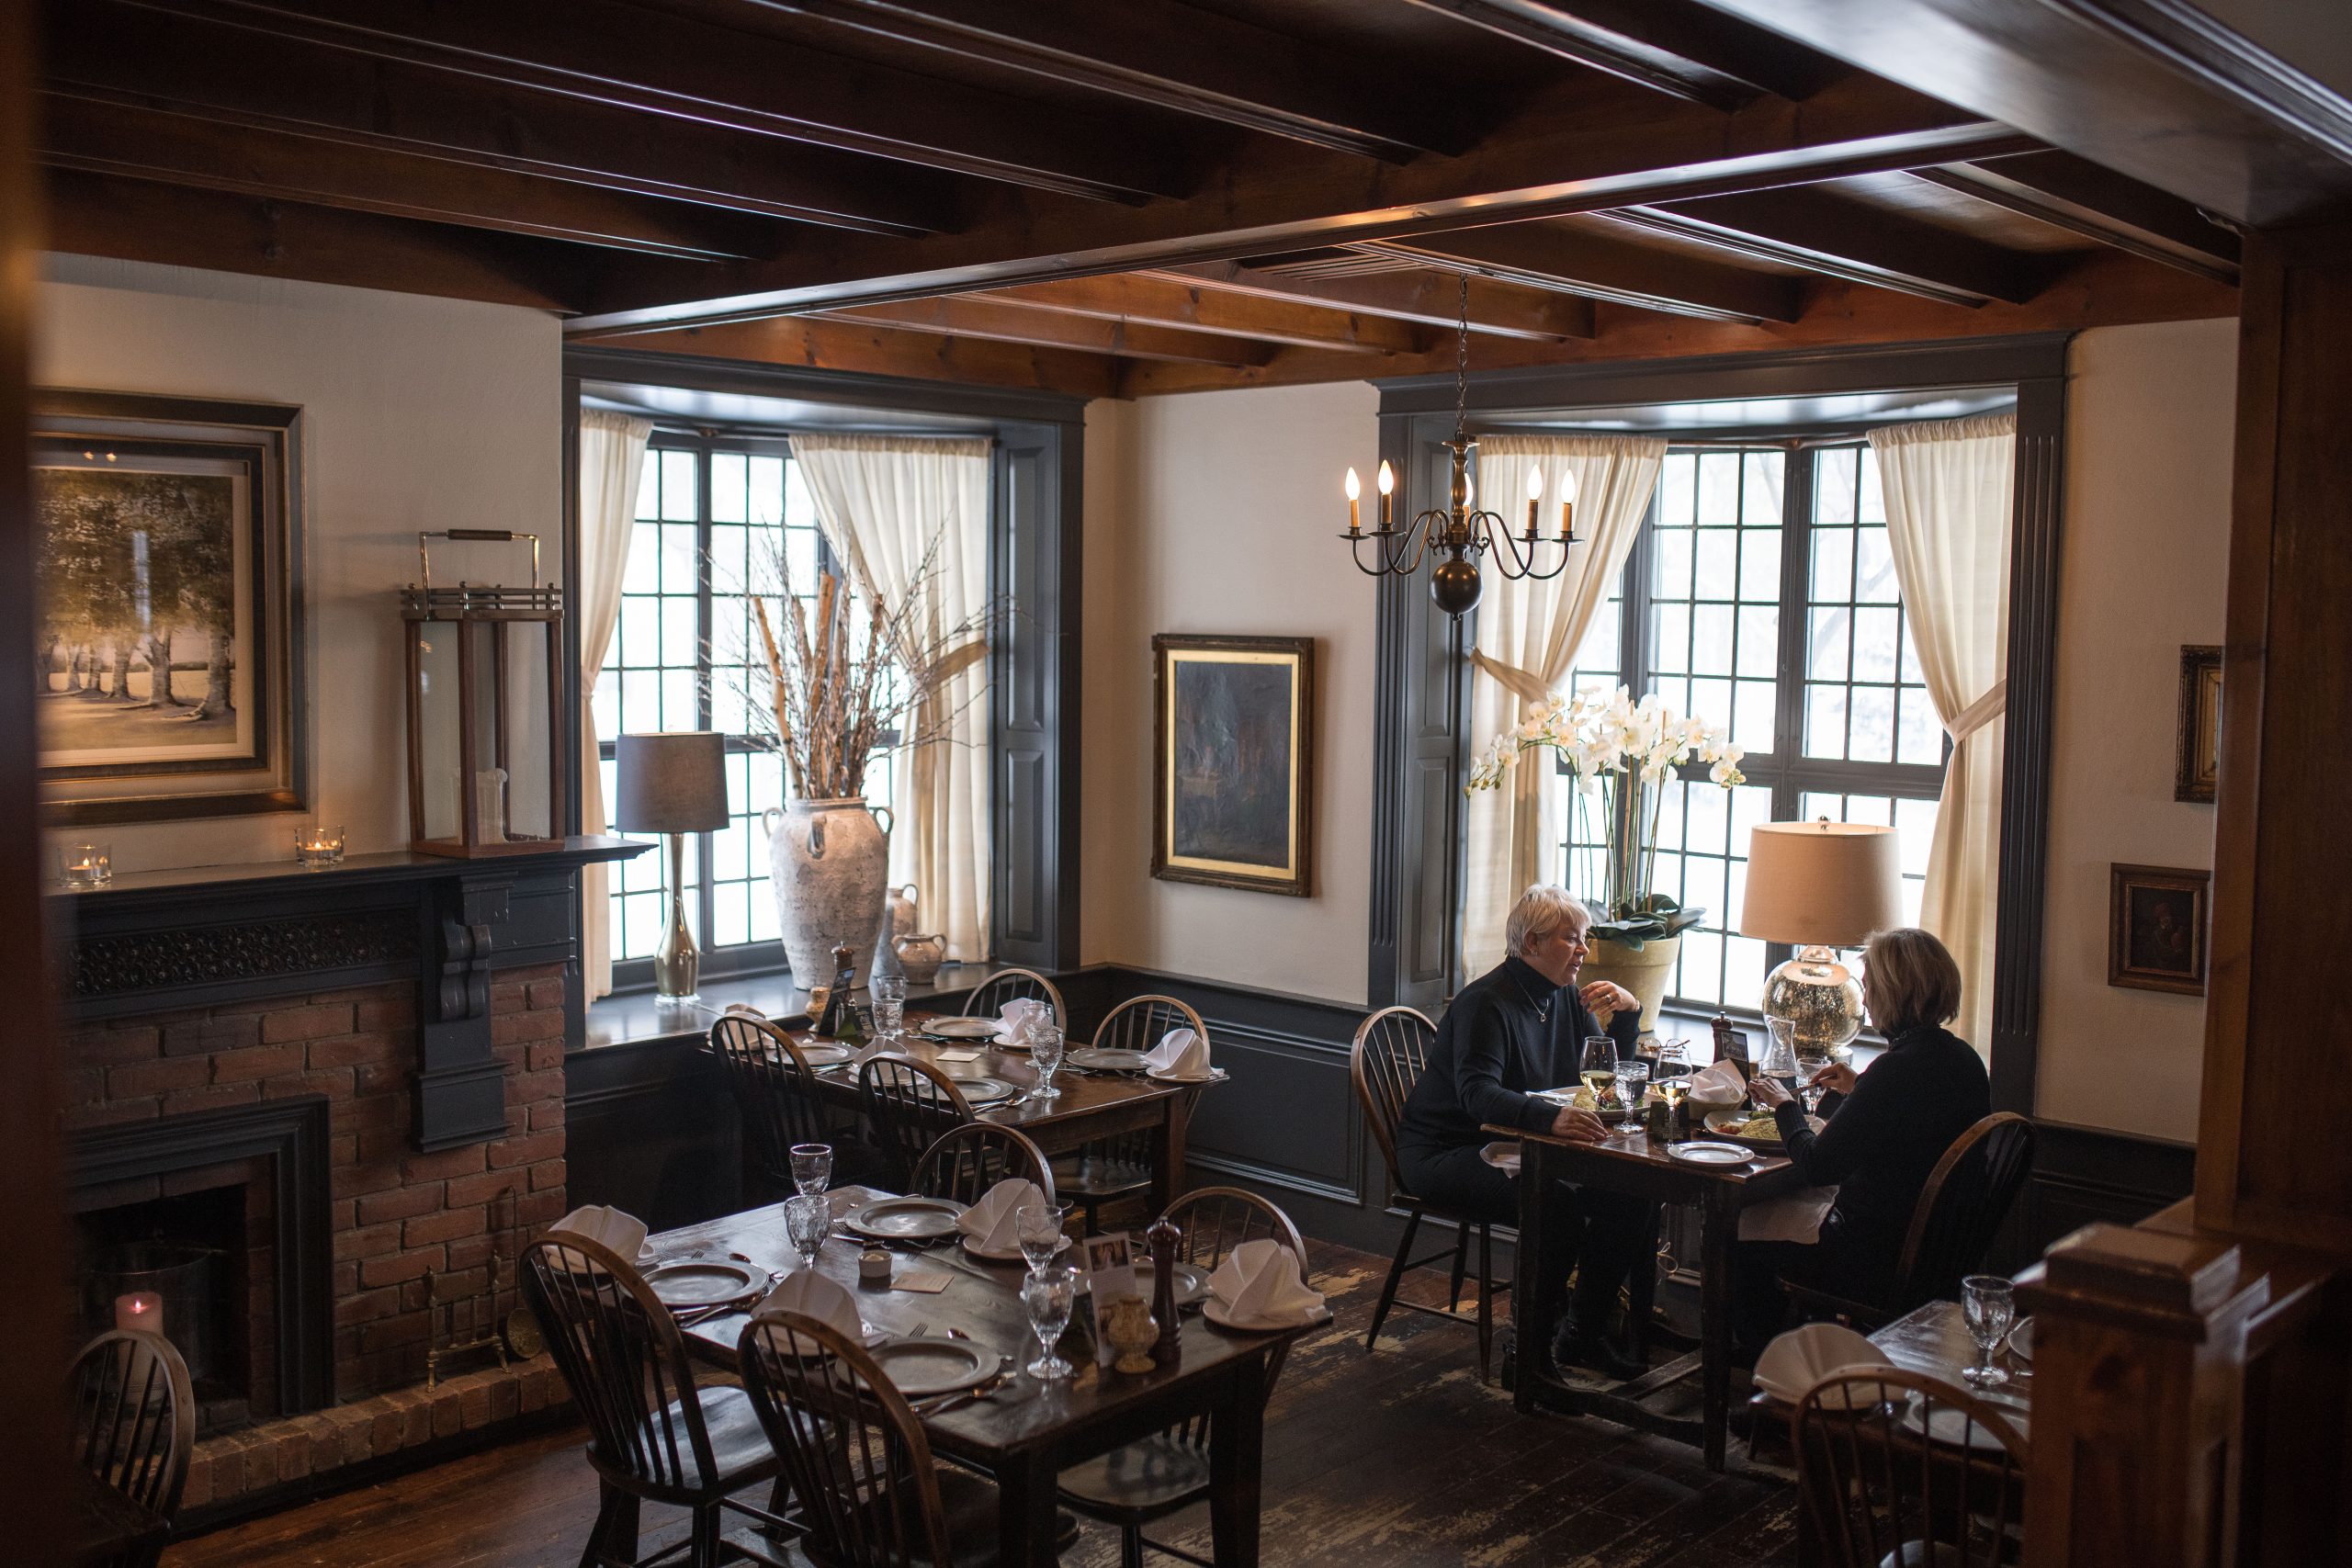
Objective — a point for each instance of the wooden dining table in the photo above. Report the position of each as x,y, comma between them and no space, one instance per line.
1090,1106
1933,1340
1628,1161
1027,1432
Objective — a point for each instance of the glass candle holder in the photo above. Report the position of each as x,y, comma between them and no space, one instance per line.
85,865
317,846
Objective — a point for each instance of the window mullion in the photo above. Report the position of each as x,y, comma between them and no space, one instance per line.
705,619
1796,597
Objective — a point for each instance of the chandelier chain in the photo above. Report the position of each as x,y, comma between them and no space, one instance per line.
1462,356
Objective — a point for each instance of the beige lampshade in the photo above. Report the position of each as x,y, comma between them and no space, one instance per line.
673,782
1825,883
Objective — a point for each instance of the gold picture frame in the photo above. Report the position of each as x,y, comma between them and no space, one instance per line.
1233,762
2197,764
2157,920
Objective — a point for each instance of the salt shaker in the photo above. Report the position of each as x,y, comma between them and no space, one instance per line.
1162,1238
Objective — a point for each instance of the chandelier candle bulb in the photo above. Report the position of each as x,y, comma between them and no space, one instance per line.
1534,499
1355,488
1388,493
1567,505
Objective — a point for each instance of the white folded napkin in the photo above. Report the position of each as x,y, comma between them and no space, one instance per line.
1503,1154
746,1008
624,1233
1259,1285
1181,1054
1796,1217
1718,1084
1803,1357
1019,1019
993,1222
812,1294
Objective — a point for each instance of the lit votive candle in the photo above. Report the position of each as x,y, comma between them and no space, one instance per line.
85,865
142,1311
318,846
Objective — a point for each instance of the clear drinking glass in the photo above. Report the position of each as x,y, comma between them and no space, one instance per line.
812,1168
1779,1056
1988,1302
1049,1295
890,994
808,1221
1597,1068
1632,1083
1040,1226
1046,1054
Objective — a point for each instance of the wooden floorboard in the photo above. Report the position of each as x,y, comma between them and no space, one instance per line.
1400,1458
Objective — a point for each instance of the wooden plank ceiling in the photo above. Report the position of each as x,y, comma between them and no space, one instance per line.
1112,200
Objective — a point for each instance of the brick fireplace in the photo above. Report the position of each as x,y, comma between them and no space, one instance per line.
359,1105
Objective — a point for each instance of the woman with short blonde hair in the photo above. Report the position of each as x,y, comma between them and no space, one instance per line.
1909,980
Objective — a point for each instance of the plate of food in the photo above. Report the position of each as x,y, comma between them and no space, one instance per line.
1579,1096
1757,1129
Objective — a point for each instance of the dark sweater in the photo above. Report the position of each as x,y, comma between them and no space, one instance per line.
1881,1144
1508,1032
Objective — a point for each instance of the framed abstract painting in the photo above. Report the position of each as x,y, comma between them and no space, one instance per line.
1233,754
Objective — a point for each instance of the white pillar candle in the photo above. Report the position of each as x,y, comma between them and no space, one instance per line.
140,1310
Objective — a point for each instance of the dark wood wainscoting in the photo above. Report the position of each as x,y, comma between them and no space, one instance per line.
650,1129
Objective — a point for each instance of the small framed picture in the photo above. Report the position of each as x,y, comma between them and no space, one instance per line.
1110,1275
2198,753
2156,928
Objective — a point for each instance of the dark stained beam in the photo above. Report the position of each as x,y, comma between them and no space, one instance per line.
1598,267
1167,302
2162,93
1501,309
666,65
1657,44
116,139
1611,145
2115,209
1827,234
1176,56
100,215
119,52
890,351
979,316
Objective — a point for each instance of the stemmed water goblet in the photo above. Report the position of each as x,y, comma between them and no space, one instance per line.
1049,1295
1633,1085
808,1221
1988,1305
1045,1046
890,994
1039,1226
812,1168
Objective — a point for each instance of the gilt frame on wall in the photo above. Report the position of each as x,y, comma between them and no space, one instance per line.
2157,925
2197,764
1233,755
168,535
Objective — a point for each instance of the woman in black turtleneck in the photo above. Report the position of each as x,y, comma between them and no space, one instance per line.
1882,1140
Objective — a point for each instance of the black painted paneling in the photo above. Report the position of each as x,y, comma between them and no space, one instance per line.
650,1128
1033,716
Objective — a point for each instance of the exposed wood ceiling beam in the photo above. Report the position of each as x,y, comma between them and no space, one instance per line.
2115,209
1614,147
1499,310
99,215
118,52
608,52
890,351
1824,233
1600,267
139,143
2160,92
979,316
1175,303
1179,56
1691,54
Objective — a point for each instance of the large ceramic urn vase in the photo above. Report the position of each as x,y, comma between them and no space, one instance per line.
831,860
1645,972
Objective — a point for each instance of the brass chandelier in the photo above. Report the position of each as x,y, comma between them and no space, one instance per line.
1457,532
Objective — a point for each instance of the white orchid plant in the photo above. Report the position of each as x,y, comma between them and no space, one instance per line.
1618,755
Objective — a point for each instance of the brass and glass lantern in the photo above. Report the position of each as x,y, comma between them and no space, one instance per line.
483,775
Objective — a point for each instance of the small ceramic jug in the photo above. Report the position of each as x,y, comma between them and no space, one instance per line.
1132,1334
920,957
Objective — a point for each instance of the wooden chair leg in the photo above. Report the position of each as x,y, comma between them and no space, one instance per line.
1461,1265
1131,1547
614,1539
706,1543
1388,1286
1485,1299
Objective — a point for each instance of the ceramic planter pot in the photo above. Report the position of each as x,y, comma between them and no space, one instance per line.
1645,973
830,860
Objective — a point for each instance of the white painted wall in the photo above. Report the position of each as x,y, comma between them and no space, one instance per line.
2144,570
418,414
1214,512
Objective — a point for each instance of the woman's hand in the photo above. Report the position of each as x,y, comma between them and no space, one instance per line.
1767,1092
1577,1126
1838,1077
1606,996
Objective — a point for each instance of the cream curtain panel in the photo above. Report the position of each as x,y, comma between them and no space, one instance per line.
1948,487
611,459
881,499
1527,635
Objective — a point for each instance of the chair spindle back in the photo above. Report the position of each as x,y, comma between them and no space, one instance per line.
623,1358
988,997
1390,1054
1967,1196
1898,1468
1211,1222
968,1160
908,1105
1140,1022
774,1090
134,1424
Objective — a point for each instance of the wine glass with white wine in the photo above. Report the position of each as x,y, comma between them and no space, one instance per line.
1597,1068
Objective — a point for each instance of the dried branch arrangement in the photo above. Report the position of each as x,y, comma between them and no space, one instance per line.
836,689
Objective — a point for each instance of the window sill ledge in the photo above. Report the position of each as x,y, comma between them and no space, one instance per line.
638,1018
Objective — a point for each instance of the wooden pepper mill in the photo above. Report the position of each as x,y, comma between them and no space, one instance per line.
1162,1238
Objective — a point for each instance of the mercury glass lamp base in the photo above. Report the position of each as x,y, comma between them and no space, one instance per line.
1818,998
677,965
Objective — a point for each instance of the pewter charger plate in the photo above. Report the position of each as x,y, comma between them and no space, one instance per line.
703,1281
1106,1059
959,1028
920,1368
907,1219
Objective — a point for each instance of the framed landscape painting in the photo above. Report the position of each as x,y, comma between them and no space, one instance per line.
167,537
1234,761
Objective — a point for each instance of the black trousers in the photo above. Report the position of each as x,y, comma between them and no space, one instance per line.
1603,1235
1839,1263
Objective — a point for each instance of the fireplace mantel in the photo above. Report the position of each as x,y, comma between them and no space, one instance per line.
157,941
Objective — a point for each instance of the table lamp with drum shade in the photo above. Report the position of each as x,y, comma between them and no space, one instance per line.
676,783
1819,886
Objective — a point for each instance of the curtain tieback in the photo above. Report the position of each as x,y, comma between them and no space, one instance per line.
1980,712
1520,683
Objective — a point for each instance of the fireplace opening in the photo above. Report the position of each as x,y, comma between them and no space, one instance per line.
183,1265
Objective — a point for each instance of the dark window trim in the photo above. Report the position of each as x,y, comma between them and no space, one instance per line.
1421,756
